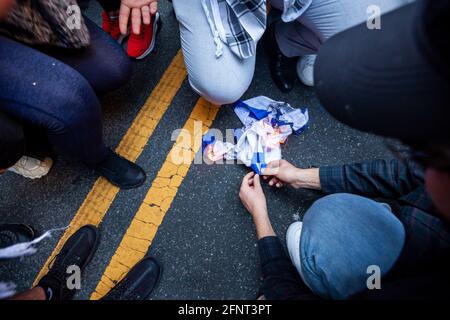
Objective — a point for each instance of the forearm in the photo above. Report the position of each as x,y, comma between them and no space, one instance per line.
378,178
263,226
308,179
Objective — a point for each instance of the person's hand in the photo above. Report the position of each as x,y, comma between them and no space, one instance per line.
140,10
252,196
280,173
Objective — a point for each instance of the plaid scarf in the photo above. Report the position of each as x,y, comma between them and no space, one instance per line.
241,23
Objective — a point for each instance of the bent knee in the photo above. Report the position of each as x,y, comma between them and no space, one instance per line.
342,235
219,93
221,88
114,73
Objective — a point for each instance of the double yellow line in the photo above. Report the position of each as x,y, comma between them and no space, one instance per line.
143,227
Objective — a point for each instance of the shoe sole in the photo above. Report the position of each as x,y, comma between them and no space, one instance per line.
156,27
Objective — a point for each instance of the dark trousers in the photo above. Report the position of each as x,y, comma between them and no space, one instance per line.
12,141
110,5
56,89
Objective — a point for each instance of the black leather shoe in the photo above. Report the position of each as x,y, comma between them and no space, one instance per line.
78,250
11,234
282,68
120,172
139,283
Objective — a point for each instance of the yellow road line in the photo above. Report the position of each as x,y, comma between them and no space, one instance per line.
143,227
102,194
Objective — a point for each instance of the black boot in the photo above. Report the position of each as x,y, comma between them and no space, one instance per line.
120,172
78,250
11,234
138,283
282,68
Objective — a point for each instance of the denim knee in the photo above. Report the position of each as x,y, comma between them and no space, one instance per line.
342,235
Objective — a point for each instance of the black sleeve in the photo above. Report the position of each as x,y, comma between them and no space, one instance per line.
389,179
280,278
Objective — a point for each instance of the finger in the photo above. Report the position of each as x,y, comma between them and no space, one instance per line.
251,182
273,181
280,185
136,20
124,15
154,7
270,170
247,177
145,10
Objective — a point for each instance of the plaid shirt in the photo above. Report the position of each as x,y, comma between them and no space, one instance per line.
243,22
401,184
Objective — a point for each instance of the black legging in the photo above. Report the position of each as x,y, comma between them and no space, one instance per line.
12,142
56,90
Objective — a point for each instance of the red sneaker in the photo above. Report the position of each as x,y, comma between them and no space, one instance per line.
140,45
111,26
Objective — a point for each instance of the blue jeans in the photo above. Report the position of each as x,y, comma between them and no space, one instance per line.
342,235
55,89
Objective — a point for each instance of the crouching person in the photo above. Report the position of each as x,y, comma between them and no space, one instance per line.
352,234
347,236
219,45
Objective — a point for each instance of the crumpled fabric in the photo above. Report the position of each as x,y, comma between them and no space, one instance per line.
267,124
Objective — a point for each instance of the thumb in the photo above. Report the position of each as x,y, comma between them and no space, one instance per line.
270,171
256,181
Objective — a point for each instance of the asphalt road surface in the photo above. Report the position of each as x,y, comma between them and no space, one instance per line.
205,239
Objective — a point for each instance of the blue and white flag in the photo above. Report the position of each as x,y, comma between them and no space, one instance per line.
267,124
